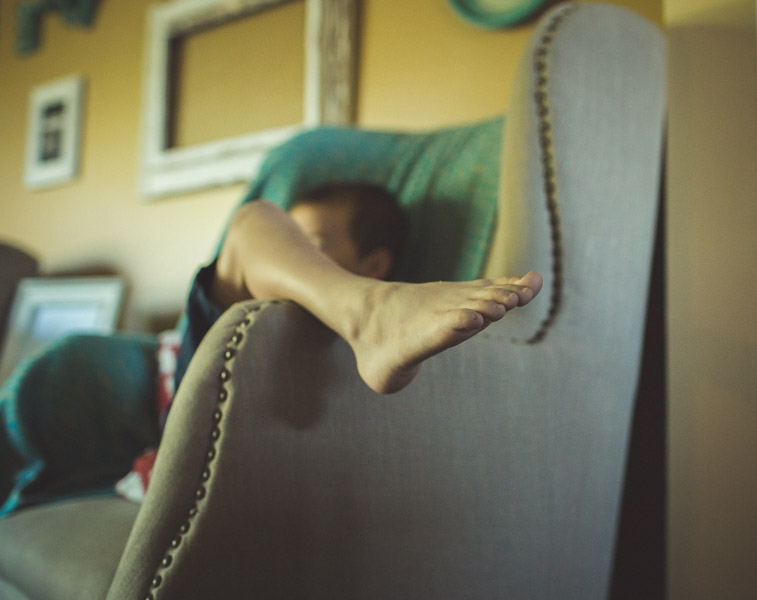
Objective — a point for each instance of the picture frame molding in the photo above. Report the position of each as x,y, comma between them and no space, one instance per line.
330,59
63,163
34,294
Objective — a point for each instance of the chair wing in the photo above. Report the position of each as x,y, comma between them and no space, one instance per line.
498,471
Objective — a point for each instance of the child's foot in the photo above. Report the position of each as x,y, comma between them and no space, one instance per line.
400,325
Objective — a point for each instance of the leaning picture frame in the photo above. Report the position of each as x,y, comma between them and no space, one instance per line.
54,132
46,309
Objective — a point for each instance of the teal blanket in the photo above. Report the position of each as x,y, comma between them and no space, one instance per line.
74,417
447,180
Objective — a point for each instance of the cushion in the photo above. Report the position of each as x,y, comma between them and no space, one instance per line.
64,550
447,180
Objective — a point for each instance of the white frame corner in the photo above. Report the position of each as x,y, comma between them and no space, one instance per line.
330,40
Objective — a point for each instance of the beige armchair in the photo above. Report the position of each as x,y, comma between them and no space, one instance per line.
497,473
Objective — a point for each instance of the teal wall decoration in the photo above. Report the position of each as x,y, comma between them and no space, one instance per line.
492,14
29,19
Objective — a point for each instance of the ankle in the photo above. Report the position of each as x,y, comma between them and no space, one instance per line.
355,307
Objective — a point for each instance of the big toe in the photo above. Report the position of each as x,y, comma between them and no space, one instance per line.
532,280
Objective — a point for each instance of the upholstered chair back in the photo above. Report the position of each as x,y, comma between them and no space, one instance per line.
447,181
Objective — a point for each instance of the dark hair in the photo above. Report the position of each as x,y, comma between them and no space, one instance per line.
378,221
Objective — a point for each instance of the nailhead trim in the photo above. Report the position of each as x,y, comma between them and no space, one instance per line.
215,434
543,109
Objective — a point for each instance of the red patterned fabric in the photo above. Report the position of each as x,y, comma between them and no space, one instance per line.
134,485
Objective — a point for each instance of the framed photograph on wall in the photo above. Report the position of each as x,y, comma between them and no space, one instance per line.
54,132
46,309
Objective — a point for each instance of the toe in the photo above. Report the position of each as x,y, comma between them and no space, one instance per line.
504,292
526,287
490,310
465,319
532,280
513,294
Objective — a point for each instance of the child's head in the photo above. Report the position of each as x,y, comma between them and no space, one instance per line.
361,226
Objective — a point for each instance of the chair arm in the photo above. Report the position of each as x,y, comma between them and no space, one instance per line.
281,475
264,367
197,488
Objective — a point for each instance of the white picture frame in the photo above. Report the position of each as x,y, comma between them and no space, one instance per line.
330,40
45,309
54,132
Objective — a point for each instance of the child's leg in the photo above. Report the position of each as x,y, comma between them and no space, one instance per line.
392,327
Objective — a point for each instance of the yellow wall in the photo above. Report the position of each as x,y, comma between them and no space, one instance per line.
100,220
420,66
712,262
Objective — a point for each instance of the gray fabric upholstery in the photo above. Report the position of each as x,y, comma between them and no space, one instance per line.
606,99
11,592
470,483
498,472
64,551
178,469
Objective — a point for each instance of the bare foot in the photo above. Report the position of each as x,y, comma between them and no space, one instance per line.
400,325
